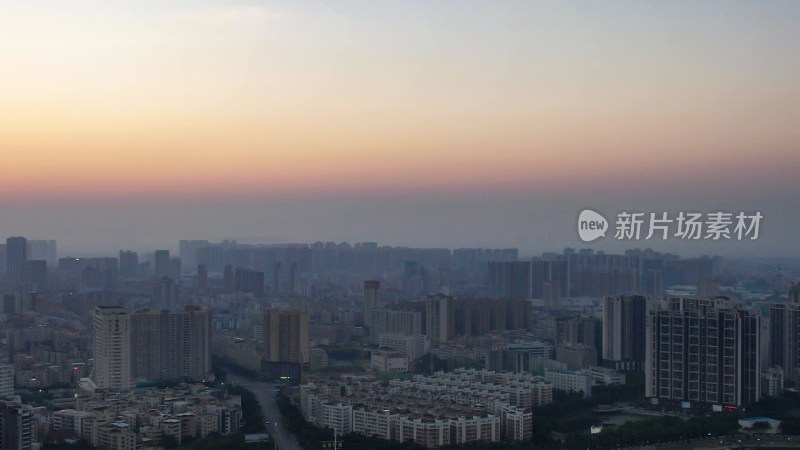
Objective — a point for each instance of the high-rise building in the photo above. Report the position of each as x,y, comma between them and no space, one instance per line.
37,274
95,273
251,281
202,276
372,300
624,332
654,285
16,426
16,259
385,321
187,251
600,274
165,294
196,341
171,345
581,331
145,270
174,268
510,279
449,317
541,273
229,278
128,264
702,352
6,380
112,348
155,345
42,249
162,263
794,293
286,336
522,280
436,318
784,335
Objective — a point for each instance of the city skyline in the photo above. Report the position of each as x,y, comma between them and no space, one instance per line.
411,224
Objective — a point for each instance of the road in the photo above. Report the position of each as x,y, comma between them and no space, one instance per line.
269,408
728,442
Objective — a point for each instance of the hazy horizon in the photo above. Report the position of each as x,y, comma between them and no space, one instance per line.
452,124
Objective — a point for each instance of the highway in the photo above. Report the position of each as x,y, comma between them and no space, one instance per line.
264,393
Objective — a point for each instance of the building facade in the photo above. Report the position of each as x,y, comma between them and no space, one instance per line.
624,332
702,351
112,348
286,336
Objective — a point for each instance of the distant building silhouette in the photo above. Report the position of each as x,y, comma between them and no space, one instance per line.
16,259
449,317
165,294
202,276
162,263
372,300
128,264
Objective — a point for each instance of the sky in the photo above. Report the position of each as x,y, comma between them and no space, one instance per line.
450,123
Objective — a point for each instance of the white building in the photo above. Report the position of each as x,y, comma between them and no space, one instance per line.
389,361
570,381
112,348
452,408
605,376
469,429
517,423
426,431
376,423
79,422
412,346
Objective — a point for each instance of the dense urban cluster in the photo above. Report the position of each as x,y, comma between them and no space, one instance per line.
428,346
143,417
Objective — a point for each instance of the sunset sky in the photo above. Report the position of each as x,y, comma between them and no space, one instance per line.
452,123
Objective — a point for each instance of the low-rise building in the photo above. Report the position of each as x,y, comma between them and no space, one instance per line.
570,381
605,376
114,435
411,346
454,408
389,361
